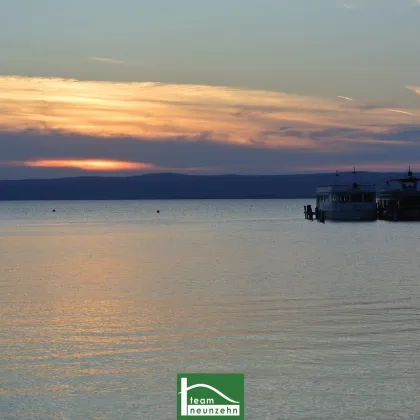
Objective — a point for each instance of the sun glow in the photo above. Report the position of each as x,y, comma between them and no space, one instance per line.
90,165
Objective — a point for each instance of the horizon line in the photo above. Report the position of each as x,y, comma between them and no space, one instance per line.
199,175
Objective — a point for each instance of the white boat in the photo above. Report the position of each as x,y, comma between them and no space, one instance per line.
346,202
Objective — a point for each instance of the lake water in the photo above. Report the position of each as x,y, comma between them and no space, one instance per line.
103,303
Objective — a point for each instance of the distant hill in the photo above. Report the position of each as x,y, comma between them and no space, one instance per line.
176,186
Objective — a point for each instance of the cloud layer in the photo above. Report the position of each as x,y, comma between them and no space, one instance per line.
415,89
46,122
107,60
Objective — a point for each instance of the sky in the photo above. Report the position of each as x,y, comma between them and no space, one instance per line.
101,87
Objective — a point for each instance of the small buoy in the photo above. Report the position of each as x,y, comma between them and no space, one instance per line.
158,211
53,210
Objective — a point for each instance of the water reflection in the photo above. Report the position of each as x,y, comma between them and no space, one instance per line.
98,317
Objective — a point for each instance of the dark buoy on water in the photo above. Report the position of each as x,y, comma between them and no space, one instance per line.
53,210
158,211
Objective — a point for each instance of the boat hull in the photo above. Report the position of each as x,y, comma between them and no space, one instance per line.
404,215
399,206
350,215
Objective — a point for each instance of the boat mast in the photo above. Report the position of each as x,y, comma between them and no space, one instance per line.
354,178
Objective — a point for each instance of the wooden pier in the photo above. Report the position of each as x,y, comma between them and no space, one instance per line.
309,214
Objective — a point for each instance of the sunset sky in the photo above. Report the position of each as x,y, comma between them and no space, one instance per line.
236,86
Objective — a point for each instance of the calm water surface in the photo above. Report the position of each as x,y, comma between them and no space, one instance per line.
103,303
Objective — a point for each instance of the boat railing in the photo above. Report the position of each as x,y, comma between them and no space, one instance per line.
346,185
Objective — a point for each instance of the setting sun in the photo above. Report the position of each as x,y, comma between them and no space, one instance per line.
91,165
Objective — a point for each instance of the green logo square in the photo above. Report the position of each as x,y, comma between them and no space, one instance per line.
211,395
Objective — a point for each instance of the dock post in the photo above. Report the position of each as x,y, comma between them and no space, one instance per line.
310,213
379,211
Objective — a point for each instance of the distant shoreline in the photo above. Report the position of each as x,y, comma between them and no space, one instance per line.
180,187
159,199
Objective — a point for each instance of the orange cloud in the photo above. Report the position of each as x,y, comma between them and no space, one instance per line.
401,112
415,89
90,165
163,111
103,165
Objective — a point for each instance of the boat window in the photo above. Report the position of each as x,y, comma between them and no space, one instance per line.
408,185
343,198
356,198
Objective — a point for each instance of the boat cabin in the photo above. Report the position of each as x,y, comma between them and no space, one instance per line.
401,199
345,194
347,202
407,183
